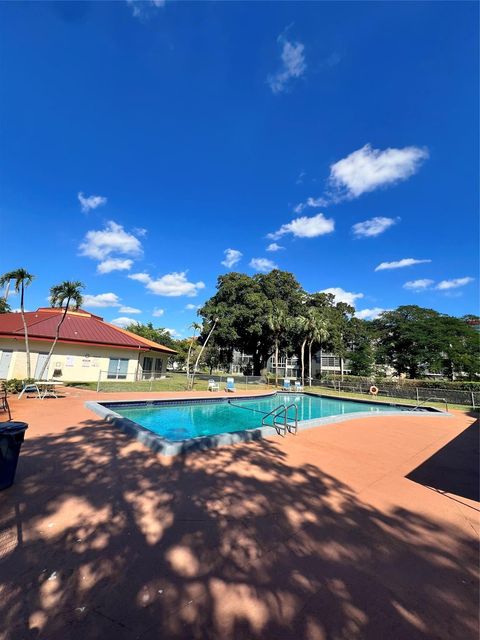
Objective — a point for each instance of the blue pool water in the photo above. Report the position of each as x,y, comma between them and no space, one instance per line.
183,421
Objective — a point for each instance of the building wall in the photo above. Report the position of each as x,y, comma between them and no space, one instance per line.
79,363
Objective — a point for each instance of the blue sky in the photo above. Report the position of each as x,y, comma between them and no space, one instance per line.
142,141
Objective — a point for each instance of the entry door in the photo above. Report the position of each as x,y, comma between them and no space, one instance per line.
5,360
42,358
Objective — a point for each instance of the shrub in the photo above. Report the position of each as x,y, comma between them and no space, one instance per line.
14,385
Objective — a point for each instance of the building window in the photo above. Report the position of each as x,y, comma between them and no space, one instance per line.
117,369
147,368
158,367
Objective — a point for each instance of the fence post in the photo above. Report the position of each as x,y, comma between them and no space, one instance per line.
416,391
99,378
473,399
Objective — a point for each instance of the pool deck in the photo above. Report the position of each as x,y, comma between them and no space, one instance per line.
364,529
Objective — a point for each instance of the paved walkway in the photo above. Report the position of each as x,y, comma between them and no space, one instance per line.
320,536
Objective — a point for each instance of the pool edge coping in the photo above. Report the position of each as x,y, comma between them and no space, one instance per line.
174,448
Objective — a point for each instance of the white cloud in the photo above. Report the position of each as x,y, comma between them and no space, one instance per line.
232,257
123,322
140,232
99,245
142,9
293,65
262,264
101,300
310,202
445,285
140,277
300,178
157,313
305,227
88,203
368,169
373,226
369,314
399,264
418,285
126,309
192,307
114,264
173,332
273,246
171,285
343,296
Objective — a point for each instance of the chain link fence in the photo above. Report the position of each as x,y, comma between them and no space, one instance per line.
408,392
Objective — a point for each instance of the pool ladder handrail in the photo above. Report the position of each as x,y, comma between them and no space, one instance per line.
279,411
429,399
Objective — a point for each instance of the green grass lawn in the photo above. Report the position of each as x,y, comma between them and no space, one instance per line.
174,382
177,382
363,396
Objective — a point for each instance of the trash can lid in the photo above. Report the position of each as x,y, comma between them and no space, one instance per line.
12,426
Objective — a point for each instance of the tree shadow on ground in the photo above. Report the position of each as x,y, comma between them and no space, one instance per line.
454,468
99,538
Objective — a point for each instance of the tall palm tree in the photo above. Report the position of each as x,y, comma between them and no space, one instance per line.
277,322
201,351
64,293
302,324
318,332
196,327
22,279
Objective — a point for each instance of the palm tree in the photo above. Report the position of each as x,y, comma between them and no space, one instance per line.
277,323
318,332
65,292
302,324
201,351
196,327
22,279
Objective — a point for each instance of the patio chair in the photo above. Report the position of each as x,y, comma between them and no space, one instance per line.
286,384
4,401
212,385
230,385
31,386
298,385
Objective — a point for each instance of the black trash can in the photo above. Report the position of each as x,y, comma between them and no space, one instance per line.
11,439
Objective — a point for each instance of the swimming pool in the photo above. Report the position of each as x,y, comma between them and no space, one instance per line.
194,419
180,426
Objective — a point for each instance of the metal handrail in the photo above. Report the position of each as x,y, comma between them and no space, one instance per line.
282,410
276,412
295,425
428,400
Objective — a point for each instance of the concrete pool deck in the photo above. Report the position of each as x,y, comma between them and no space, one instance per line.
361,529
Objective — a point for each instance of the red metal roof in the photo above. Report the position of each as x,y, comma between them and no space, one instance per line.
80,327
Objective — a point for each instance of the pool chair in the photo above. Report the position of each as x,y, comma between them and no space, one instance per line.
230,384
298,385
286,385
213,386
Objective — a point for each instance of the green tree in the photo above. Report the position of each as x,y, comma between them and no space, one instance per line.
21,279
193,342
362,352
243,305
318,332
209,335
4,306
65,293
155,334
277,321
414,340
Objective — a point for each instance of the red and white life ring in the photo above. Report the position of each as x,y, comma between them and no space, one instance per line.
373,390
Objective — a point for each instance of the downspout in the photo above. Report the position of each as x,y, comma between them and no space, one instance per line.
138,364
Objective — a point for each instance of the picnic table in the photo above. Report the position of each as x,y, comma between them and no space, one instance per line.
43,388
